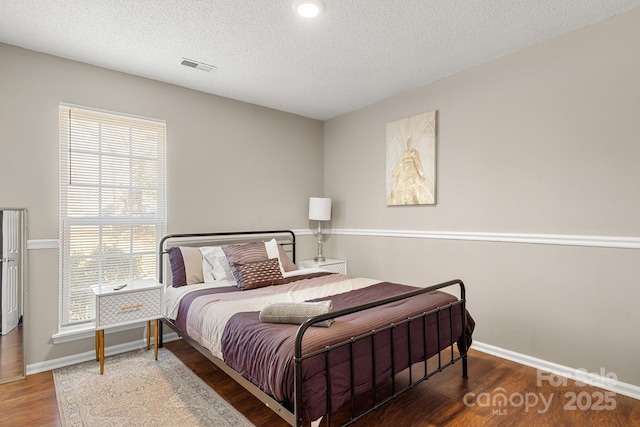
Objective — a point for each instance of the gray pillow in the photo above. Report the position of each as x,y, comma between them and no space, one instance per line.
296,312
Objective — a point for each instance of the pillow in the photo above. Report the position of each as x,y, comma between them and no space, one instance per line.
296,312
243,253
240,254
274,250
186,266
285,261
258,274
215,266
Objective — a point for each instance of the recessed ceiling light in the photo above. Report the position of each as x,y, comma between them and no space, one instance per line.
308,8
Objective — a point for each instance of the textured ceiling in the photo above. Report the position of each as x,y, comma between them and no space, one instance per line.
356,53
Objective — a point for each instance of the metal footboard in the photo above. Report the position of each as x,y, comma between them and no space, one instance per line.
377,401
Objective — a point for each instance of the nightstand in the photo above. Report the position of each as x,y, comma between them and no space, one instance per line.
332,265
139,301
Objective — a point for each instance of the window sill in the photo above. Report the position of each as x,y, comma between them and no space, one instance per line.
87,330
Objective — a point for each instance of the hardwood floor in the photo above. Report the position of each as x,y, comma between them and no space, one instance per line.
444,400
11,362
29,402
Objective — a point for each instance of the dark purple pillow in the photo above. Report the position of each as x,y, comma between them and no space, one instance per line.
178,270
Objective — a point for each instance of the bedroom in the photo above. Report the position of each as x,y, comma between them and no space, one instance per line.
537,195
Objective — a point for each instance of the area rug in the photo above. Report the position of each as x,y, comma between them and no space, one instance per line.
137,390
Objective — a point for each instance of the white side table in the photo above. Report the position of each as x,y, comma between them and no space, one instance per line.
332,265
139,301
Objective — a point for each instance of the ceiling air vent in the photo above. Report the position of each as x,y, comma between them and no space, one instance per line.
198,65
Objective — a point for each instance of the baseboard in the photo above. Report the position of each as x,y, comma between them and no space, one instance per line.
49,365
594,379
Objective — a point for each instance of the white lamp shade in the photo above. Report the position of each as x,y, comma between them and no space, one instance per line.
319,208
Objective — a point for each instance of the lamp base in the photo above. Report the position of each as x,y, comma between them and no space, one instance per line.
319,257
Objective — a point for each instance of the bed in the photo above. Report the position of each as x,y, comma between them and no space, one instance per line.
307,342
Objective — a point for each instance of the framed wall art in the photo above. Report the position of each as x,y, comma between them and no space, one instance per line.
411,160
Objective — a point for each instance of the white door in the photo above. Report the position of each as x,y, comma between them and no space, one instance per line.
10,270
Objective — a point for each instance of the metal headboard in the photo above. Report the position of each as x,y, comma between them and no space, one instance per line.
223,237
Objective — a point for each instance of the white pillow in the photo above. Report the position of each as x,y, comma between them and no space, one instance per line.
215,266
272,252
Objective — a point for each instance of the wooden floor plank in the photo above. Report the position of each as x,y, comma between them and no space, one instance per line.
445,399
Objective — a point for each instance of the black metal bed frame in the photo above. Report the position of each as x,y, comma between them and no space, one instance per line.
296,417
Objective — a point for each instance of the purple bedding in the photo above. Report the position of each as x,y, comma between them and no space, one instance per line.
263,352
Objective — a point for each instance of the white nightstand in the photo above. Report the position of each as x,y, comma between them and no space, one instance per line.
139,301
332,265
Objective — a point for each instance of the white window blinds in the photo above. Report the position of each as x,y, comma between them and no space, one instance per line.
112,203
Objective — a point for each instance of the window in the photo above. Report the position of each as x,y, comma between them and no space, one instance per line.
112,203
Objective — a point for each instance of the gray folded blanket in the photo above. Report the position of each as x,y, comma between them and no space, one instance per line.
296,312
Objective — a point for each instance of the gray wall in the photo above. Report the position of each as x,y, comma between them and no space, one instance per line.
225,158
544,141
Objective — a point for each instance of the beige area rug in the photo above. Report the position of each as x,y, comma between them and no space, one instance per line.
137,390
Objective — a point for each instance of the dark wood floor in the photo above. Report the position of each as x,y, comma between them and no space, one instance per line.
445,399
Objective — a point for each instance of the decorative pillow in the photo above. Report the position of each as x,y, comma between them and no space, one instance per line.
296,312
245,253
215,266
257,274
285,261
186,266
240,254
274,250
